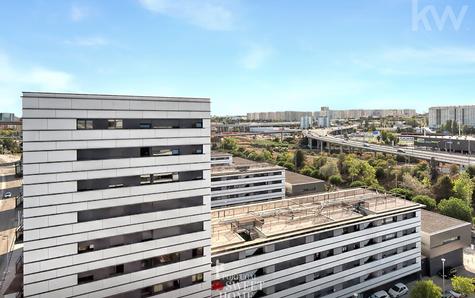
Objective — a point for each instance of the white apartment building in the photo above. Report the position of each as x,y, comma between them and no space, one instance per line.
463,115
326,245
116,196
221,158
246,181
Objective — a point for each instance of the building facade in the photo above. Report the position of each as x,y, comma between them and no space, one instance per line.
246,181
443,237
463,115
327,245
116,196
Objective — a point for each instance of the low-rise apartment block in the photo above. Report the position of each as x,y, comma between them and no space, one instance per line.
324,245
246,181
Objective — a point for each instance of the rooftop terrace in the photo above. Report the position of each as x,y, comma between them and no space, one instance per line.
243,165
240,226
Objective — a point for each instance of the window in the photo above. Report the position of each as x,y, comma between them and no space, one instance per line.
198,125
144,151
162,178
85,248
119,269
197,278
112,124
85,279
145,179
197,252
84,124
446,241
145,125
163,152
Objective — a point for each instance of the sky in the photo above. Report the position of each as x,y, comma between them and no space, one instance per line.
247,56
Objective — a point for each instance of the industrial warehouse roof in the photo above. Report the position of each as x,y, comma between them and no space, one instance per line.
247,225
295,178
433,223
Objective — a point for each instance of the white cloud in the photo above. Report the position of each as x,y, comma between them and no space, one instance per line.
92,41
421,61
207,14
256,56
14,80
78,13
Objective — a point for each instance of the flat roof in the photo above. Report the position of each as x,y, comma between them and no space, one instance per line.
110,96
220,154
433,223
242,226
296,178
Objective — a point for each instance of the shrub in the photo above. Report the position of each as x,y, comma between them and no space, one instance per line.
335,179
357,183
430,203
403,192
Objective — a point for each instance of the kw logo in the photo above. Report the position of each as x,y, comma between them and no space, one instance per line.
422,16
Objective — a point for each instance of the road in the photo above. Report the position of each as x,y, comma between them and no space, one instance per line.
458,159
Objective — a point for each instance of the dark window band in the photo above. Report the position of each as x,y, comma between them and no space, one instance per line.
163,287
116,153
133,209
86,124
130,267
126,239
137,180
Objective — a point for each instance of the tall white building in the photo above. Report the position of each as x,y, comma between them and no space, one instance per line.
116,196
463,115
327,245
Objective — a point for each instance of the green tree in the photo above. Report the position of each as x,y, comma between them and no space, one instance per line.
463,188
463,285
426,289
307,170
442,189
329,169
229,143
267,155
403,192
456,208
430,203
299,159
357,183
335,180
471,171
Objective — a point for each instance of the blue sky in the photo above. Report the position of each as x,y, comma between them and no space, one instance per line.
247,56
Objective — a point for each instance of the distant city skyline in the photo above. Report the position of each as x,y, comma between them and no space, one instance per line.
247,56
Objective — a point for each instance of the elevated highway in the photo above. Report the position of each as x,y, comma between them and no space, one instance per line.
322,138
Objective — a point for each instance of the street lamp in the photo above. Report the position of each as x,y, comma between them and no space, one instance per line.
443,275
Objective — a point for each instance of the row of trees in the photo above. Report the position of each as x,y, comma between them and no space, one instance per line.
427,288
451,195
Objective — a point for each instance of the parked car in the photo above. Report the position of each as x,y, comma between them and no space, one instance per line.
365,145
451,294
398,290
380,294
7,195
449,272
401,150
